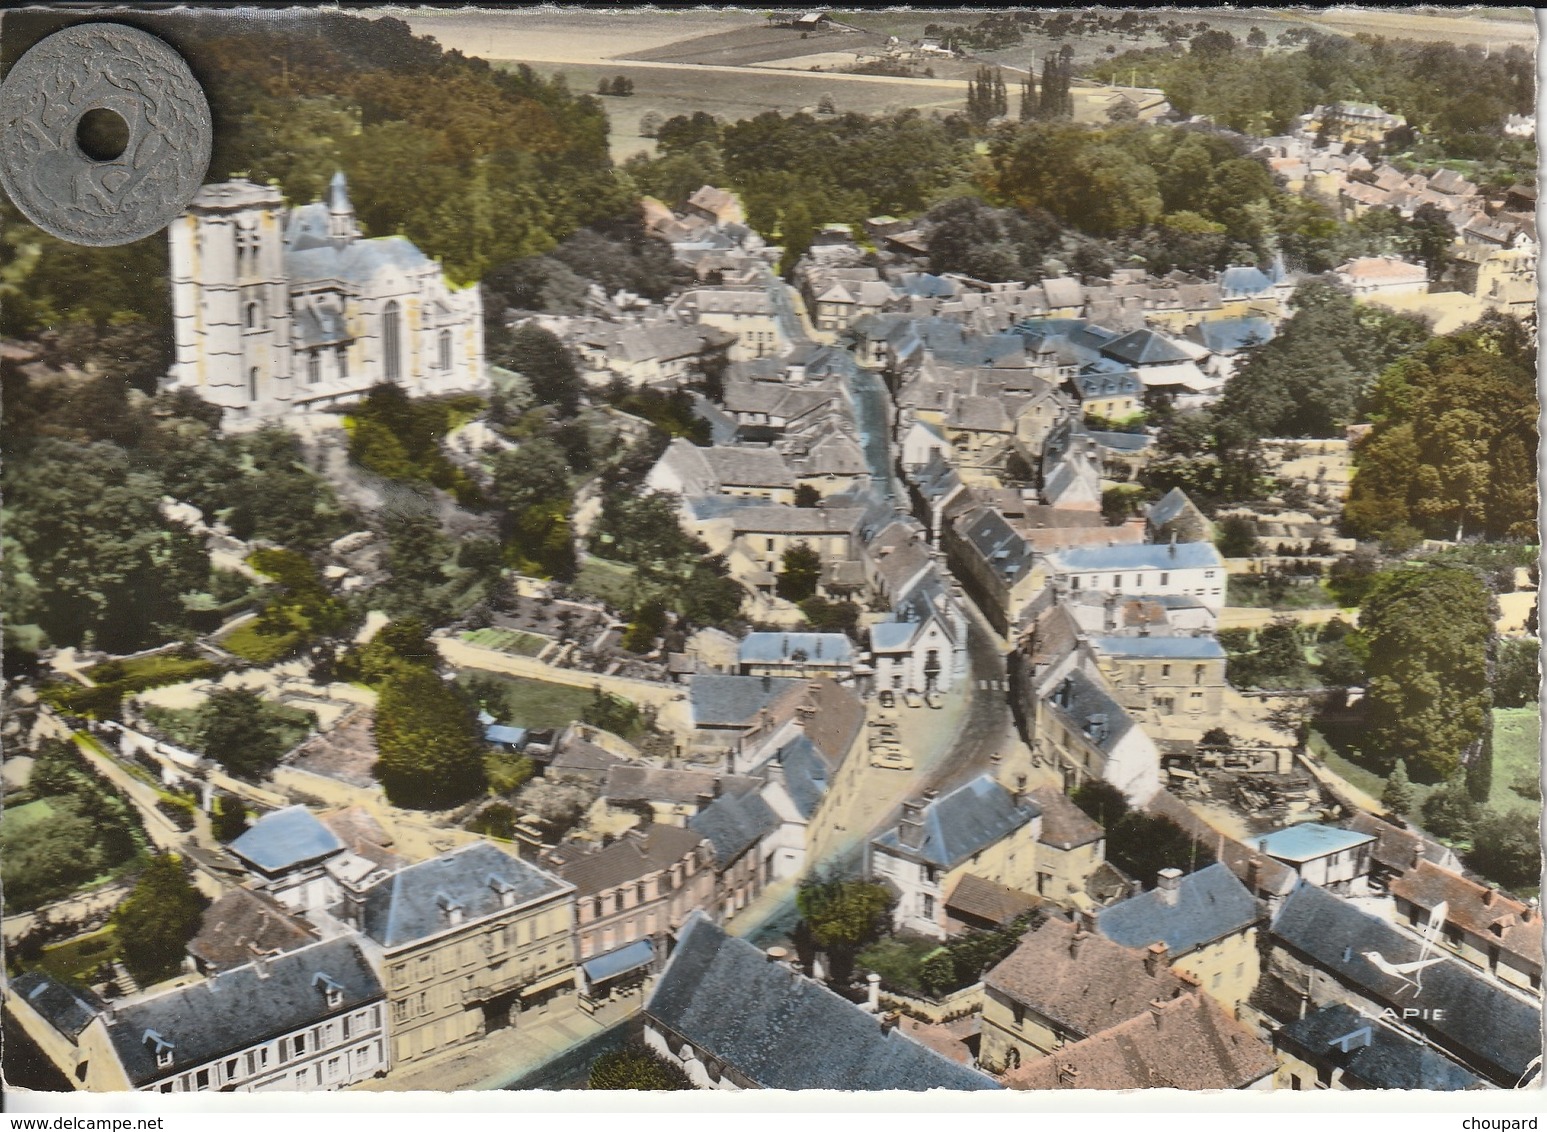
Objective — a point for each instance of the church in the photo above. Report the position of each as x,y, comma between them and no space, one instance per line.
279,310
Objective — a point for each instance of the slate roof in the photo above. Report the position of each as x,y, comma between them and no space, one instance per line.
412,903
779,1030
1234,281
748,467
892,636
238,1009
1475,908
1093,712
764,648
242,922
1169,506
1389,1060
1085,985
1228,335
1101,381
286,839
629,957
997,543
1064,825
983,899
357,262
63,1007
504,733
734,701
638,853
805,774
966,821
1141,556
1398,849
1144,348
652,784
1491,1031
1187,1043
778,518
734,822
1210,904
1309,840
1161,648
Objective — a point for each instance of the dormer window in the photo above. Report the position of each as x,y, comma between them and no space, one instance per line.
160,1048
332,989
452,910
504,890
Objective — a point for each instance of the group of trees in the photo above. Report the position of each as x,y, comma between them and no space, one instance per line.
620,86
157,919
431,749
1140,844
1457,95
670,566
986,98
616,254
1453,450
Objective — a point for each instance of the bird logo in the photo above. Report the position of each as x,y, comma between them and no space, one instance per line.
1431,934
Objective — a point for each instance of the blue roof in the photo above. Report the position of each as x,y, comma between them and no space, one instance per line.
728,701
1309,840
1143,556
779,1030
629,957
286,839
966,821
1390,1059
1243,281
1208,905
416,902
1121,441
889,635
773,648
1164,648
504,733
1106,378
1167,507
1099,717
805,774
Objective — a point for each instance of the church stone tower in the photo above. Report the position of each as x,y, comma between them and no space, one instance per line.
231,300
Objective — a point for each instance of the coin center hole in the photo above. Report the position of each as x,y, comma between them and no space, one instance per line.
102,134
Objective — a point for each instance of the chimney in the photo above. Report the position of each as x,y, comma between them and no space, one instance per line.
1157,1009
1262,845
1079,937
873,993
1529,915
1155,959
704,800
1068,1076
889,1022
777,954
1488,895
1169,885
1254,874
1088,921
910,829
260,965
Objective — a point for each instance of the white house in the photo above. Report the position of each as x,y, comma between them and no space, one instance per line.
1190,568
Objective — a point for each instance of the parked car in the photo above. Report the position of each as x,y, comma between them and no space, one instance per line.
934,699
888,700
912,698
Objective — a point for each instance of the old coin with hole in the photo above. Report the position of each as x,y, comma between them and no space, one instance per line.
105,134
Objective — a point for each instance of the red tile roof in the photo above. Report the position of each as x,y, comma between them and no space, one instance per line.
1474,908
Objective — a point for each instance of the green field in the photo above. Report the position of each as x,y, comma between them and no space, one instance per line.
512,641
609,582
264,648
1517,753
77,960
535,703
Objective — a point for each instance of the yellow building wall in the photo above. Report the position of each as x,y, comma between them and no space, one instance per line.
1227,969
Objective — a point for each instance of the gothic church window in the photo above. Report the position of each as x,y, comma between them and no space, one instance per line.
392,364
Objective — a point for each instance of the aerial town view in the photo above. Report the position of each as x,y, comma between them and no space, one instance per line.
786,550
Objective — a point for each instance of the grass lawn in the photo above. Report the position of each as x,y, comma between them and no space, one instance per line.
1332,743
1248,593
535,703
77,960
611,582
1517,754
151,671
264,648
507,640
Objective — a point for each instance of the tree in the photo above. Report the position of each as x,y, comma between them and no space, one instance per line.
1428,629
1237,537
1102,802
611,713
1450,812
157,919
843,916
229,819
636,1067
1506,848
548,366
557,806
1517,672
237,730
802,571
1398,795
431,748
807,496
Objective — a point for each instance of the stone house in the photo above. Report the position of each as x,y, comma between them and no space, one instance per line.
1178,679
1071,849
309,1019
749,315
734,1018
241,924
740,826
1189,1042
797,655
1207,922
671,796
466,942
1088,735
979,828
1192,568
639,888
1325,951
685,469
1486,928
1065,983
1336,1047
